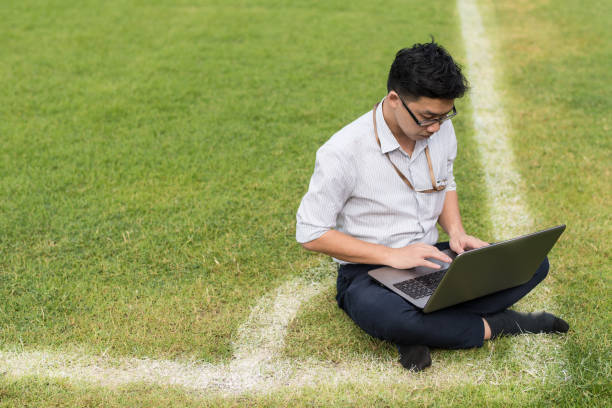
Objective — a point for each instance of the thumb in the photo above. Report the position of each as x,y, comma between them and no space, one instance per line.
457,247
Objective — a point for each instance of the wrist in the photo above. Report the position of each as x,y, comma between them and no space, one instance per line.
456,232
385,255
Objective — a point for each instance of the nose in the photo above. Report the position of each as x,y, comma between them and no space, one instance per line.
434,127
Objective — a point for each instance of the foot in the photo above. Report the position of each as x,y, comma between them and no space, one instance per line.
510,322
414,357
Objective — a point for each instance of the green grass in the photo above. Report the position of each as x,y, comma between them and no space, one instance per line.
324,331
52,393
559,101
154,158
154,154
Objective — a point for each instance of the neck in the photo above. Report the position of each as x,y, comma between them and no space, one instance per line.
404,141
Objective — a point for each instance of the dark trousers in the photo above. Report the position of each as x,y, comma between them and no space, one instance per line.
385,315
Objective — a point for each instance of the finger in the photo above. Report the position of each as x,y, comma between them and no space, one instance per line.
477,243
470,243
459,247
426,246
439,255
424,250
429,264
456,248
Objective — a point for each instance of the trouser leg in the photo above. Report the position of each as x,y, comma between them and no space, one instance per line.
502,300
385,315
499,301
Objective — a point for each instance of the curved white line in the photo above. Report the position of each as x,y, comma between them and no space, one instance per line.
256,365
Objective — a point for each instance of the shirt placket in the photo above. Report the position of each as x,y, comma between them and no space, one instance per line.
417,172
408,165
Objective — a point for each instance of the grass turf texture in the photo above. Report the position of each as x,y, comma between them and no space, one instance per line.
559,101
153,162
60,394
155,155
152,151
324,331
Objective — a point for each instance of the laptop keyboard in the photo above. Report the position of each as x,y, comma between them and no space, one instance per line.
422,286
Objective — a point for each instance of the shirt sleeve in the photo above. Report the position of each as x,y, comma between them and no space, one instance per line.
330,187
452,154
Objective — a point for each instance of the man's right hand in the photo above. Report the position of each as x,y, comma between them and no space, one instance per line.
415,255
345,247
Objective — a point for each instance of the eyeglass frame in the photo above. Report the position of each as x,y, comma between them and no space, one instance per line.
427,122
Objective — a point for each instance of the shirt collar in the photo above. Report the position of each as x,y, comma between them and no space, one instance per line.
388,142
420,145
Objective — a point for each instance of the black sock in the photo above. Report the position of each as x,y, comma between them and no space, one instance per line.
511,322
414,357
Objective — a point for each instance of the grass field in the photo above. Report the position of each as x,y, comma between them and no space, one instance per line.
154,155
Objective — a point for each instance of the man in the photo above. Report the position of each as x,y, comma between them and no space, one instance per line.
378,189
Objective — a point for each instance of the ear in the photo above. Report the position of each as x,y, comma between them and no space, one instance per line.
393,99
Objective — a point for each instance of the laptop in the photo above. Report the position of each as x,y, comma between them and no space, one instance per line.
472,274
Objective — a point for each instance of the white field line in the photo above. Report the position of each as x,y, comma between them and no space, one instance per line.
253,366
510,216
277,374
257,365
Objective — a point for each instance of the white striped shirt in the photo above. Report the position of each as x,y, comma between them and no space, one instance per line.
355,190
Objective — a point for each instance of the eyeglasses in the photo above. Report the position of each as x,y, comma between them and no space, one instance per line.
428,122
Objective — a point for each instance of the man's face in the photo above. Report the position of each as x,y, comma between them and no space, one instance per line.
423,109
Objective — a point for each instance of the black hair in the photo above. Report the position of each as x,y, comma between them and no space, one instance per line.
426,70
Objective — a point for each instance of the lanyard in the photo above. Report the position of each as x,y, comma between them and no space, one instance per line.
435,188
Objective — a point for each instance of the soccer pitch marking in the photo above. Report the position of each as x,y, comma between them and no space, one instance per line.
257,366
509,214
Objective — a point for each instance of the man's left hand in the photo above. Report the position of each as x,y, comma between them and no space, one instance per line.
463,242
